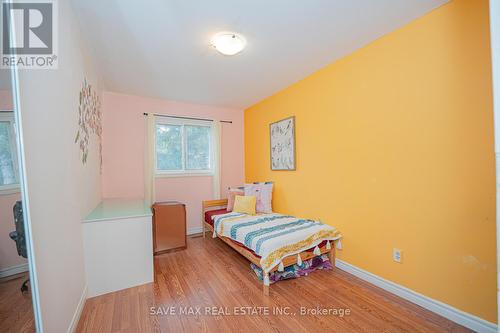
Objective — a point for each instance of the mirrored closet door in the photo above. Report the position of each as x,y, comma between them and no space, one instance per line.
16,300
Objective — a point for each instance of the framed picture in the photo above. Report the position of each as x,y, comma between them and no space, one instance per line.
282,137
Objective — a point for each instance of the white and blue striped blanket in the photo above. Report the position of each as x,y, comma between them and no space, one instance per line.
273,236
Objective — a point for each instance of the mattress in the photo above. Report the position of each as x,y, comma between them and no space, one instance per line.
208,219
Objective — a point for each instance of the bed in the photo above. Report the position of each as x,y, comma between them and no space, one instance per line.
240,232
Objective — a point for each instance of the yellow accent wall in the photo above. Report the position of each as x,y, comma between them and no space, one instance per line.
395,149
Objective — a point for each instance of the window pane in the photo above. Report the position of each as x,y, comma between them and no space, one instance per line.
198,147
168,147
7,174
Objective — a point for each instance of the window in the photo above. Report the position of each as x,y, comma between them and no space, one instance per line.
8,157
183,147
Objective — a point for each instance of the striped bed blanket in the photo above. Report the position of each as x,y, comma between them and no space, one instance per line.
274,236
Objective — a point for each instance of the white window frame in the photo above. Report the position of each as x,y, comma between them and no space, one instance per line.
7,116
184,172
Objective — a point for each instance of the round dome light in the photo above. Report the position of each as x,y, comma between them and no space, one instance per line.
228,43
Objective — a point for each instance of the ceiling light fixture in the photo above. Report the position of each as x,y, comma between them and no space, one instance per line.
228,43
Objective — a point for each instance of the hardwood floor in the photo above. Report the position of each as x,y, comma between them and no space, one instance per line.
16,310
210,275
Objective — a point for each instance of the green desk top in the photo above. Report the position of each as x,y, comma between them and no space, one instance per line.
113,209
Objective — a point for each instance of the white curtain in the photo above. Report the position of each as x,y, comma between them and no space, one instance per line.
149,160
216,144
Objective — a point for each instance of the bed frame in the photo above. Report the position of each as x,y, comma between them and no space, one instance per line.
288,261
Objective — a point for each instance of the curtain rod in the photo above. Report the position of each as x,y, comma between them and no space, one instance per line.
180,117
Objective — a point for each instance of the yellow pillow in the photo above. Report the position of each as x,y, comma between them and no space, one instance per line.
245,204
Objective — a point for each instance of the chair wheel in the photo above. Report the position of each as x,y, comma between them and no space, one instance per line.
24,286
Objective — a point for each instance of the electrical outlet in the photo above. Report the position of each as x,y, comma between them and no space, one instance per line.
397,255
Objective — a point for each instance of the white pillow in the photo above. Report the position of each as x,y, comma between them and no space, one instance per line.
263,192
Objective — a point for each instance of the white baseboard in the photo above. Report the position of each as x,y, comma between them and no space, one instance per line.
78,311
460,317
195,230
13,270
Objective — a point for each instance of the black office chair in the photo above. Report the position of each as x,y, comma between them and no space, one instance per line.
19,237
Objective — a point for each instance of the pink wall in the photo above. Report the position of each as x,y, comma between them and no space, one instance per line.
123,151
6,100
8,252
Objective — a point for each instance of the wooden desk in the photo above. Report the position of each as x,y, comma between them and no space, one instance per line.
169,226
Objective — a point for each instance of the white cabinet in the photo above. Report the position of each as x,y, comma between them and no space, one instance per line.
118,246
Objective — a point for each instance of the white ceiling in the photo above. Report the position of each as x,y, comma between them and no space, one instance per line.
160,48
